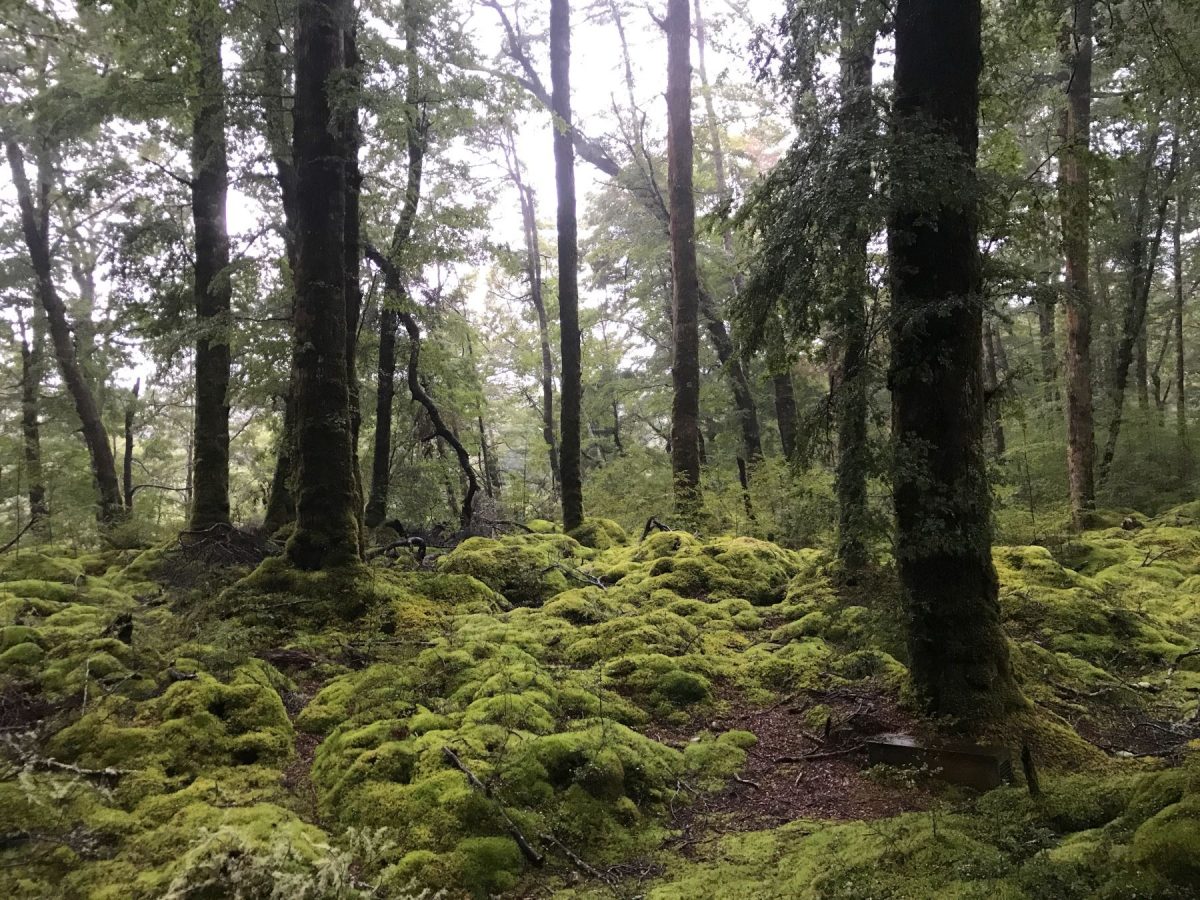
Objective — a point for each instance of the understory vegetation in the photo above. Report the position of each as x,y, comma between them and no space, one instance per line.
528,712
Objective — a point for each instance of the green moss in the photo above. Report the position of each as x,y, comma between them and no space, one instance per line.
525,568
600,534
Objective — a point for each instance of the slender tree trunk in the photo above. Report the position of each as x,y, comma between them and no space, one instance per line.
212,288
1181,423
785,412
1046,300
685,363
327,532
568,265
1075,197
856,122
281,505
991,387
415,136
31,382
127,470
35,225
959,656
351,138
1143,261
1142,367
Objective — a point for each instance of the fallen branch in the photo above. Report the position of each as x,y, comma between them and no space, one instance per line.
652,524
577,575
575,859
20,534
526,848
828,754
110,773
746,781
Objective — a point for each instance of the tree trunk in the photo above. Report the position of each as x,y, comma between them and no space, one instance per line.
785,412
212,290
35,225
685,301
351,138
327,532
991,387
1143,261
127,470
1046,300
1075,196
959,656
281,505
31,382
856,120
415,131
568,264
1181,424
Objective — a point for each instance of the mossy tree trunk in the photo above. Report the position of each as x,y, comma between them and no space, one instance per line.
1074,190
685,300
35,227
568,266
959,655
212,289
277,129
351,138
31,434
856,119
327,531
415,132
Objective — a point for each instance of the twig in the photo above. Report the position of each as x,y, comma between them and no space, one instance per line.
20,534
526,849
824,755
746,781
575,859
110,772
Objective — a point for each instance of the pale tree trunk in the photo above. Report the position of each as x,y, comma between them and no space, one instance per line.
35,225
1075,196
31,383
568,265
685,363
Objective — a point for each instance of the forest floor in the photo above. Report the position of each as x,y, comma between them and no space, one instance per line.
536,715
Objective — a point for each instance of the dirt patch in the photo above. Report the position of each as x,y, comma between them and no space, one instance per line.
798,772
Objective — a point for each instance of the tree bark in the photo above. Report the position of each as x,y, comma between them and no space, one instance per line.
1074,191
327,532
785,412
1181,423
1143,261
1046,300
35,226
856,123
959,656
568,265
351,138
212,290
685,301
991,387
31,382
127,470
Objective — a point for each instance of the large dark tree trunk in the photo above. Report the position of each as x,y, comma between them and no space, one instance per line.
388,319
212,290
685,303
351,247
568,264
959,656
31,383
1075,195
327,532
281,505
35,225
857,124
1143,261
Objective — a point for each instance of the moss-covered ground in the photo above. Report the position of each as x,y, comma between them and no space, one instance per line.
584,716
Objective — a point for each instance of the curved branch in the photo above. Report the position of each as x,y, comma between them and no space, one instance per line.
395,285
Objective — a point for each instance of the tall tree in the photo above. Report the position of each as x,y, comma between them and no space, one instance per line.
685,288
212,287
327,532
415,136
31,384
35,226
568,264
959,655
1074,190
1181,424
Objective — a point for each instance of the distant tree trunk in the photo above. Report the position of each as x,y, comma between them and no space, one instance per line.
856,120
785,412
127,471
1075,196
327,532
743,396
1045,299
991,387
1181,424
959,656
35,225
31,382
568,265
212,289
685,363
281,505
1143,261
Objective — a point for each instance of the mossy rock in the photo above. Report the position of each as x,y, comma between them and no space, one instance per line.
527,569
600,534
